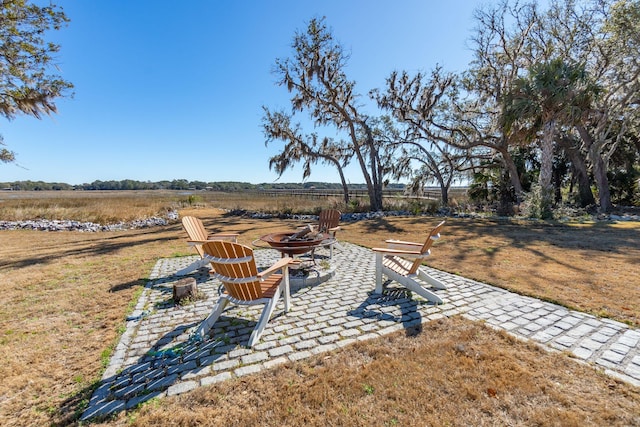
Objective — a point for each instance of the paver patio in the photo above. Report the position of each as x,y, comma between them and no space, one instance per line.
156,355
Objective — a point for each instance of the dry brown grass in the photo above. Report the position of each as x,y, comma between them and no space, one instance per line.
106,207
101,207
452,372
65,296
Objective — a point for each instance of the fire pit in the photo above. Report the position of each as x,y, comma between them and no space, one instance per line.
298,242
290,244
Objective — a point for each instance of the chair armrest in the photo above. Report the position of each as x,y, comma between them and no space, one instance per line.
223,236
404,253
334,229
198,242
215,238
402,242
283,263
404,246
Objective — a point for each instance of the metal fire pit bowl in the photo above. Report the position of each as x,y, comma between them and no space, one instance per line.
294,247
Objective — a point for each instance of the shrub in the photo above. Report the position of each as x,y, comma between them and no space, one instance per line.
192,200
535,205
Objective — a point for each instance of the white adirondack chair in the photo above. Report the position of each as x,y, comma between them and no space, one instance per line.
401,262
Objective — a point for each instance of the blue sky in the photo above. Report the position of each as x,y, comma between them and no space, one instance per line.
174,90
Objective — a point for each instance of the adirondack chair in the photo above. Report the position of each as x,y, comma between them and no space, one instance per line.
234,264
401,262
197,237
328,221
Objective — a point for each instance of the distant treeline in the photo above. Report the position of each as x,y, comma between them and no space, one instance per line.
178,184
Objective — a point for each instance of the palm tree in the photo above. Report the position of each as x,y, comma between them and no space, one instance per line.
553,94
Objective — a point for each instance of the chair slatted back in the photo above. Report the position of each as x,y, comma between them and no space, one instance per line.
433,235
195,230
328,218
235,266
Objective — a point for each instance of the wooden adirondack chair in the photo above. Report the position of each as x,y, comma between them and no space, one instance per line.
401,262
328,223
234,264
197,237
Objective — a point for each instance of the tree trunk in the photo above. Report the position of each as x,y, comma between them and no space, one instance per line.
444,193
602,182
376,169
505,206
444,186
599,169
557,185
376,200
546,168
343,181
546,160
373,177
374,190
579,172
345,192
375,193
186,288
513,174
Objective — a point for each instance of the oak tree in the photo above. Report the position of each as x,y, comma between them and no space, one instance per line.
315,76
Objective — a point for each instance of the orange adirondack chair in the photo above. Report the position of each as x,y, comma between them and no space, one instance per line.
234,264
401,262
198,235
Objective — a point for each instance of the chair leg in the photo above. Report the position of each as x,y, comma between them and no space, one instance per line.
414,286
208,323
430,279
264,318
286,288
420,290
378,273
336,245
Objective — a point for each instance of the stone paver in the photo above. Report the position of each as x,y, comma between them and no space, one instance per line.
157,357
